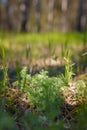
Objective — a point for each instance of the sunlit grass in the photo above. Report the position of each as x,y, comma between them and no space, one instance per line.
55,37
19,45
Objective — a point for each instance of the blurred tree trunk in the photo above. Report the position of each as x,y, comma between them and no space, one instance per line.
50,14
38,11
80,13
37,4
0,17
5,21
64,8
24,11
9,13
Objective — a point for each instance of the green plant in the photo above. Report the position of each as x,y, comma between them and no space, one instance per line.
68,73
4,68
68,67
81,91
6,121
44,88
18,73
34,122
80,122
44,95
84,40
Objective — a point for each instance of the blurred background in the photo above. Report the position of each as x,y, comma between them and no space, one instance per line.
51,18
43,15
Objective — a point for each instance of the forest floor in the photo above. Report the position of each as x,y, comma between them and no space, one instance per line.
48,52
